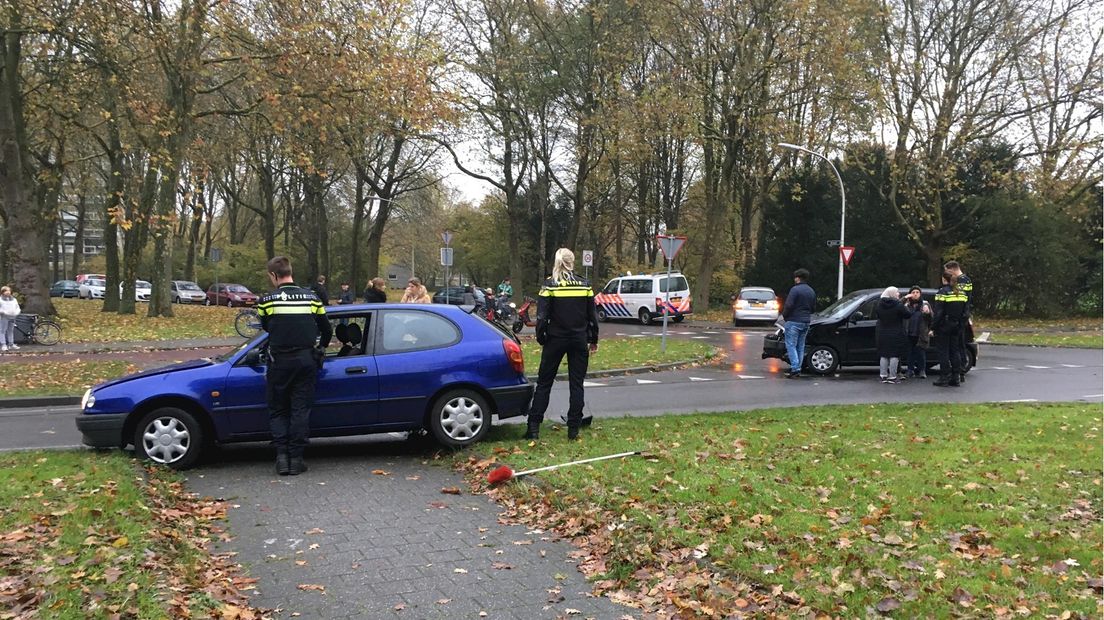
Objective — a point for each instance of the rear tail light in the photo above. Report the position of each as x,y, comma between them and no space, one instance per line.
741,303
772,304
513,353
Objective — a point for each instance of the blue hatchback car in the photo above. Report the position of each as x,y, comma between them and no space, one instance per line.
390,367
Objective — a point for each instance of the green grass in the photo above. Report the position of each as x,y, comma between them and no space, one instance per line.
616,353
28,378
1079,340
83,321
92,535
944,509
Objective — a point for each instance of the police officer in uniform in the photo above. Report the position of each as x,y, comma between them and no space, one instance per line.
295,319
966,285
950,313
567,324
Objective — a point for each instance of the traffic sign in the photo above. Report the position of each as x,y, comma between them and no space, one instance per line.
588,258
847,251
670,245
832,243
446,237
216,255
446,257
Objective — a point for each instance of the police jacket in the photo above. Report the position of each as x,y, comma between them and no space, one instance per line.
565,309
950,310
966,287
294,318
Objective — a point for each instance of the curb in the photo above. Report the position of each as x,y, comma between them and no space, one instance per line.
39,401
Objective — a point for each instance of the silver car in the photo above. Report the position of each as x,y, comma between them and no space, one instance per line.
185,292
755,303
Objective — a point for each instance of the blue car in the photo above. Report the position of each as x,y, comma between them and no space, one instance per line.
390,367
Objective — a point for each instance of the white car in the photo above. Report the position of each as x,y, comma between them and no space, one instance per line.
185,292
755,303
645,298
142,290
91,288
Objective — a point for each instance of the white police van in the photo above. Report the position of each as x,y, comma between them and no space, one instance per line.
644,298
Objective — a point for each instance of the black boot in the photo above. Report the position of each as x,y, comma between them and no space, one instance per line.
282,467
532,429
572,433
296,465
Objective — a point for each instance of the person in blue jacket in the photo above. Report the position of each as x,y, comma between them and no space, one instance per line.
798,312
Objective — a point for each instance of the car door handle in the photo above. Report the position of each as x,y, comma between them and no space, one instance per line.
356,370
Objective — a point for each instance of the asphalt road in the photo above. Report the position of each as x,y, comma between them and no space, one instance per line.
743,381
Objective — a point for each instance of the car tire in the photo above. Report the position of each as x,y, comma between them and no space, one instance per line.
823,360
645,317
678,319
169,436
459,418
206,301
602,316
229,303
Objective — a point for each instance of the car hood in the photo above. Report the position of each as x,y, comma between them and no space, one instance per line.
200,363
815,320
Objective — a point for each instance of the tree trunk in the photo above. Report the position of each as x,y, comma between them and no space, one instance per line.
78,234
198,206
358,224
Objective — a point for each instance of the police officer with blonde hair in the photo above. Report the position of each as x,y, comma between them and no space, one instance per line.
567,324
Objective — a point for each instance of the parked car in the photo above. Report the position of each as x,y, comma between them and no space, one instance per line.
645,298
453,294
843,335
65,288
755,303
186,292
142,290
91,288
391,367
84,276
229,295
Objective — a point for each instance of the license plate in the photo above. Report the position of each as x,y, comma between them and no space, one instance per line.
757,304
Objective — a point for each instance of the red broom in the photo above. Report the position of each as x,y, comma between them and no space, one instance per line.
504,473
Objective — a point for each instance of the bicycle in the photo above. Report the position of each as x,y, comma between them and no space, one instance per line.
42,331
247,323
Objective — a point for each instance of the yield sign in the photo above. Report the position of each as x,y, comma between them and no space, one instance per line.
847,251
670,245
446,237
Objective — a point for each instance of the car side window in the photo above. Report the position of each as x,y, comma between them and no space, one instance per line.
412,330
868,307
350,335
611,288
636,286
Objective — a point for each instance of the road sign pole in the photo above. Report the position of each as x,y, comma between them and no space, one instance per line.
666,305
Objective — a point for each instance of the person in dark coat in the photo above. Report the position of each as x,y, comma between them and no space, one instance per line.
376,293
890,333
919,328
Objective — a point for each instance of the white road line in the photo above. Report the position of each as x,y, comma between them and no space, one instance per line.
749,376
1073,365
646,381
700,379
593,384
712,332
699,337
1021,400
1036,367
1094,396
1000,368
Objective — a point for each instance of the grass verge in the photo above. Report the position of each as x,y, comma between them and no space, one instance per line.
910,510
59,378
1078,340
616,353
93,535
83,321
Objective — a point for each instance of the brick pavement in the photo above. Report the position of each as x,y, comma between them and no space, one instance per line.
387,546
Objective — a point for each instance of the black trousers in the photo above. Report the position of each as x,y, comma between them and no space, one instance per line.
290,382
578,356
950,355
963,358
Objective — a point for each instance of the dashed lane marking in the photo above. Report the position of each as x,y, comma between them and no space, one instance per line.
646,381
699,337
1073,365
749,376
587,384
1000,368
1036,367
1021,400
701,379
1094,396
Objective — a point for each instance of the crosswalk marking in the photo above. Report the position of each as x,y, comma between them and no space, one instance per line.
700,379
645,381
1036,367
587,384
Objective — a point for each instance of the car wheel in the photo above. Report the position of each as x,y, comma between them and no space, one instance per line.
229,303
602,316
206,301
459,418
678,319
645,317
169,436
823,360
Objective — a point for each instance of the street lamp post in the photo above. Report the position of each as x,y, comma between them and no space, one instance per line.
843,207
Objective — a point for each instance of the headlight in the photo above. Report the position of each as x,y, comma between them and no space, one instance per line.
88,400
236,297
513,305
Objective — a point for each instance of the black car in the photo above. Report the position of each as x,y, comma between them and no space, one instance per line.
65,288
843,335
451,295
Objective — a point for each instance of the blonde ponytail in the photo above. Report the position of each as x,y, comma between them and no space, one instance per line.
564,263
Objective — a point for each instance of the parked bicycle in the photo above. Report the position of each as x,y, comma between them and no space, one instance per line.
40,331
247,323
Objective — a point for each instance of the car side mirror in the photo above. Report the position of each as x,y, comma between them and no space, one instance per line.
856,317
253,358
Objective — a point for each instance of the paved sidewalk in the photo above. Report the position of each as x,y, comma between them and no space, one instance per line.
388,546
132,345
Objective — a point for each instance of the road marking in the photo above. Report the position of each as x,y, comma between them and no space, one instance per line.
749,376
593,384
645,381
700,379
984,337
1021,400
712,332
699,337
1073,365
1000,368
1036,367
1094,396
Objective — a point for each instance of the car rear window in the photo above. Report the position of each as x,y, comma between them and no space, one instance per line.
678,283
757,295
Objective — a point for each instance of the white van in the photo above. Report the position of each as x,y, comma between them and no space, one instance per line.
643,298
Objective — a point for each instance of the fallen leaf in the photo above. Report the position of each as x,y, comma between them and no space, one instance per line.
888,604
381,472
501,566
451,490
399,607
315,530
120,542
462,571
444,601
312,586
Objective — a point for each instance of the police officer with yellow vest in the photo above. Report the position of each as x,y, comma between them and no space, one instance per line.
966,285
567,324
295,320
950,313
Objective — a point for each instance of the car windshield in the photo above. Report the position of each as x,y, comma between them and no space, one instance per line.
95,282
237,288
760,295
188,286
844,306
142,284
232,352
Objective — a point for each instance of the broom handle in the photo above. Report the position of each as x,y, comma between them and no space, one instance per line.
597,458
